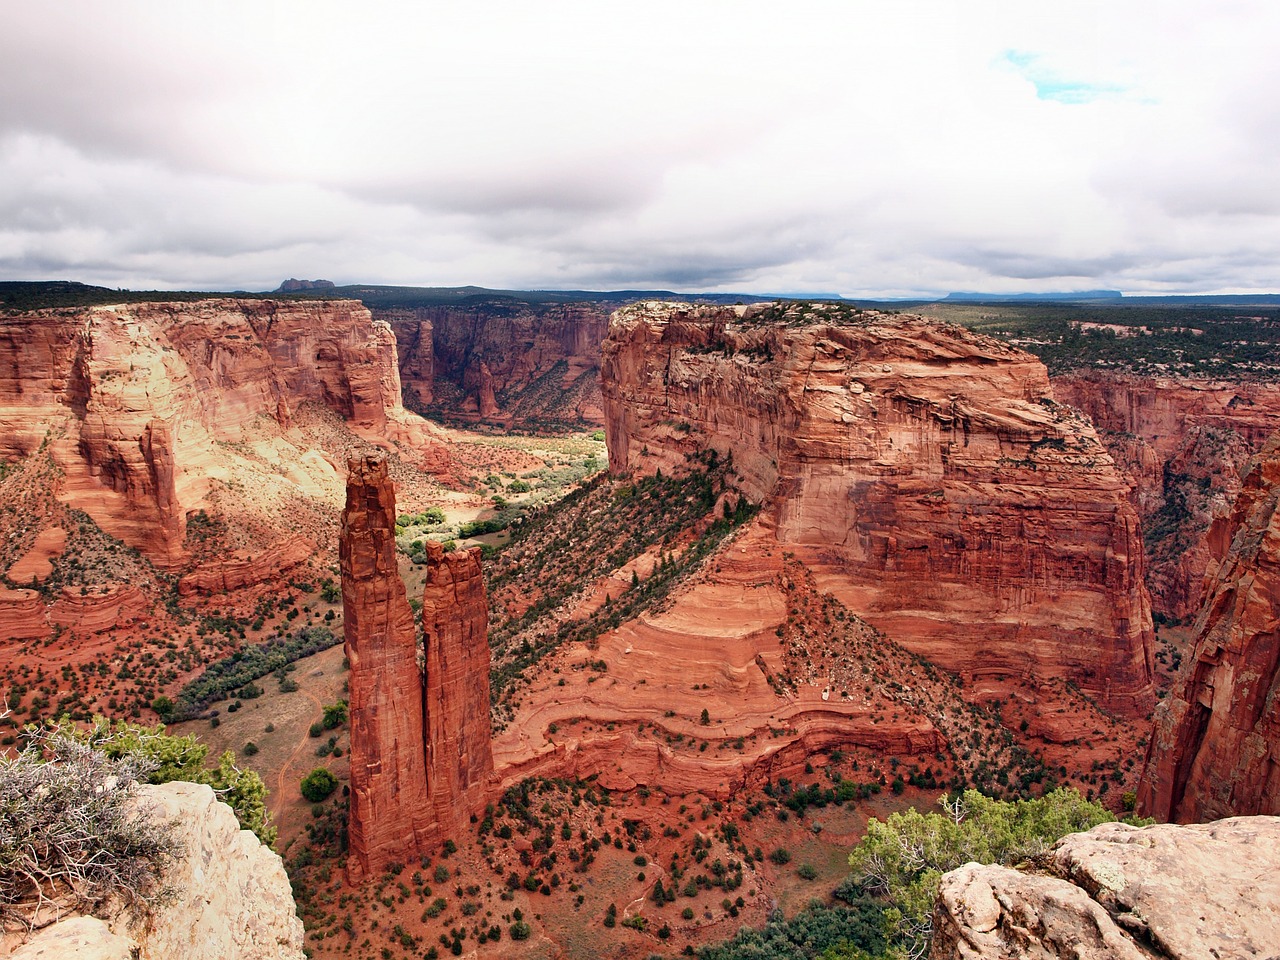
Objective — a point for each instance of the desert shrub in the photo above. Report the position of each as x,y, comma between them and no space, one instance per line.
69,829
318,785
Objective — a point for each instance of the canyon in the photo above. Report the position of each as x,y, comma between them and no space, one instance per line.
1183,444
861,546
1215,749
502,362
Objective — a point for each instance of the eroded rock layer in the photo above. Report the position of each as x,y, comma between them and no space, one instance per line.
1122,893
1183,444
1215,749
390,819
455,618
133,399
924,473
502,361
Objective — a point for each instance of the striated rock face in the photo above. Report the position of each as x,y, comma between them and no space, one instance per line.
132,399
1215,748
390,817
231,898
1123,893
223,576
22,615
503,361
455,621
924,473
1183,444
99,609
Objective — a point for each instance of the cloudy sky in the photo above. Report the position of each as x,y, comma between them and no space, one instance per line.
867,148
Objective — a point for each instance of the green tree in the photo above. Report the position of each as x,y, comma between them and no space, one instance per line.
318,785
903,858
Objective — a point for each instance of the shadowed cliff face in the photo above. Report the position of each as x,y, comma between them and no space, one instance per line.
517,365
1216,743
133,400
1183,444
924,473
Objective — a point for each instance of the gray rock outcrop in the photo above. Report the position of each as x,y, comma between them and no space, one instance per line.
1118,892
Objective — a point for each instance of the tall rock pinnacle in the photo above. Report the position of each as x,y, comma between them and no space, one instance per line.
390,815
455,620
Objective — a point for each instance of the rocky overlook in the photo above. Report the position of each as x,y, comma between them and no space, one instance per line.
1122,893
1215,750
925,474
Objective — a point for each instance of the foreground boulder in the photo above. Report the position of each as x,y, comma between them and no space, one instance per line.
231,898
1120,892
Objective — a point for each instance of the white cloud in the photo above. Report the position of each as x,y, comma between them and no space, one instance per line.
870,148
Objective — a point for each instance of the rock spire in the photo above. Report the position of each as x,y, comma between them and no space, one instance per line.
421,760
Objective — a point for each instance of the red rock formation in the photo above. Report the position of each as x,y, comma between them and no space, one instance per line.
1183,444
247,568
98,609
421,763
390,818
519,364
455,620
1215,749
924,473
133,398
22,615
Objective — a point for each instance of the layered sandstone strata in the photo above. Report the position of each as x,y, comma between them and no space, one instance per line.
134,400
923,472
421,761
503,361
1122,893
390,818
1184,444
455,620
1215,749
247,568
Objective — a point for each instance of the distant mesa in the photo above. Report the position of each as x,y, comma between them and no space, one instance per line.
293,286
1070,295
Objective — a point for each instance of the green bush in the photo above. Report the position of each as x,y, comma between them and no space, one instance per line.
318,785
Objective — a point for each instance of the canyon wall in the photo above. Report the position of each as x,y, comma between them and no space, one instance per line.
421,761
1119,892
390,818
1215,749
132,400
924,473
1183,444
503,362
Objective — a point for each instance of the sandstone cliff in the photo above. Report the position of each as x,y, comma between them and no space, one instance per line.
1122,893
231,898
138,402
502,361
1215,749
455,617
924,473
390,818
1183,444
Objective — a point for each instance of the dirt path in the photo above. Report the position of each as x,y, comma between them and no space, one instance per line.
283,776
